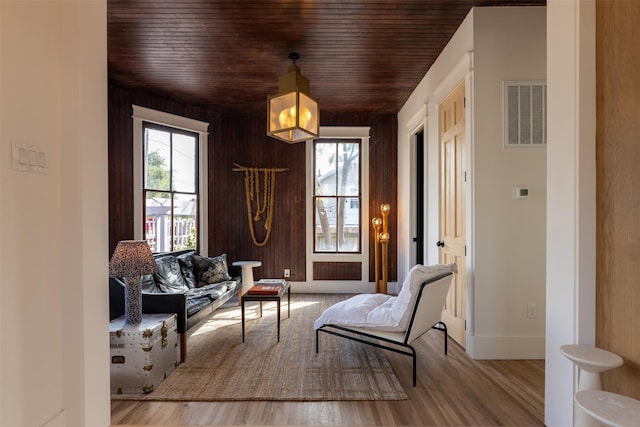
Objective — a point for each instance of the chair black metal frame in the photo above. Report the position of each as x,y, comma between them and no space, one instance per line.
399,342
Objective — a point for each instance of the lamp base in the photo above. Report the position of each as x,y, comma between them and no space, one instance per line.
133,300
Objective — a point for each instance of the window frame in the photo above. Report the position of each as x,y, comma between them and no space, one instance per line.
143,114
338,197
339,132
172,192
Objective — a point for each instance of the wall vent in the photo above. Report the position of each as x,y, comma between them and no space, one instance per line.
525,114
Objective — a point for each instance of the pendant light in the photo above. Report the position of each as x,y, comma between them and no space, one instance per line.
292,114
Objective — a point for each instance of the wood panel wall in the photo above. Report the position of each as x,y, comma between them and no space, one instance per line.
618,191
240,138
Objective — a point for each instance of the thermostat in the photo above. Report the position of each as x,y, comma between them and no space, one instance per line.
520,192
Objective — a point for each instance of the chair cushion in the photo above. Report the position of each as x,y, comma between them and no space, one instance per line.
401,308
380,311
363,310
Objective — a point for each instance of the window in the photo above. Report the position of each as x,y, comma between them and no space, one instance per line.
336,196
170,188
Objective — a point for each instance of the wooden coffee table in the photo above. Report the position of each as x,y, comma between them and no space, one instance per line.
266,297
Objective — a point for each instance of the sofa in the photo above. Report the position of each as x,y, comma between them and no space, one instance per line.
188,284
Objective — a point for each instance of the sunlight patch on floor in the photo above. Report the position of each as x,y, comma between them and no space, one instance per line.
229,317
214,324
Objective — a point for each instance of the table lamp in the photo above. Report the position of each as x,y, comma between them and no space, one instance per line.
131,260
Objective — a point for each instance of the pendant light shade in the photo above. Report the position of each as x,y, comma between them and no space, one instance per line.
292,114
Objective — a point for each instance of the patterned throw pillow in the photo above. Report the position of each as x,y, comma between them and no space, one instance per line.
211,270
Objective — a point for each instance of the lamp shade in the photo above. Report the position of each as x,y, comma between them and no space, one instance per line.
292,114
132,258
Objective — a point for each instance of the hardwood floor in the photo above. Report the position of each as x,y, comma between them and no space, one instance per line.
452,390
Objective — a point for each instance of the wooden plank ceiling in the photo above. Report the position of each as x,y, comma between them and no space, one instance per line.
359,55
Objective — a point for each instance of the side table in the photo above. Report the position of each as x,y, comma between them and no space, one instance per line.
247,275
266,297
609,408
142,354
591,361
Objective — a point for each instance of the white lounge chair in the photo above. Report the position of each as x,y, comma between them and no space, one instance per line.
389,322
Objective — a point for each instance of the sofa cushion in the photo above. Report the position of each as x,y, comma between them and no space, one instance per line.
213,291
169,276
194,305
188,268
211,270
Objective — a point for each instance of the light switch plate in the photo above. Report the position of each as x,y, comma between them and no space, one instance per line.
28,158
19,156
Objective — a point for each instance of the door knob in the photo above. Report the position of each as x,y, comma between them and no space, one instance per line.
440,243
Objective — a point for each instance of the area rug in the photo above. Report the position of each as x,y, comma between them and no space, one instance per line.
220,367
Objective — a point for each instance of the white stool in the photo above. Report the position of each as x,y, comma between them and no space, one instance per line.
591,361
614,410
246,268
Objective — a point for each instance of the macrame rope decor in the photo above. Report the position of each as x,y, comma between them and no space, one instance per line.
259,208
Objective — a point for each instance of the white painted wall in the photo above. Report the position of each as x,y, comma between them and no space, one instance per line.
54,228
505,237
509,235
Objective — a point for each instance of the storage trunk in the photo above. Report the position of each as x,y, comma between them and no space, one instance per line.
143,354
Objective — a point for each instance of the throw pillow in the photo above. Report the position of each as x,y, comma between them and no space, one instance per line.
148,284
211,270
169,276
187,266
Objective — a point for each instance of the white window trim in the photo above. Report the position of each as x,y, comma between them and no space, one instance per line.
340,132
142,114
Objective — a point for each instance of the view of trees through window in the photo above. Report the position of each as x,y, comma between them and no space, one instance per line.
170,188
336,198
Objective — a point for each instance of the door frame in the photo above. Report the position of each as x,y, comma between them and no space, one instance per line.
418,123
419,197
426,115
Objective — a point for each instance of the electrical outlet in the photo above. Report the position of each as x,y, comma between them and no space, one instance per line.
287,272
532,311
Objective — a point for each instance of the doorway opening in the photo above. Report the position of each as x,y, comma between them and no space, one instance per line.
418,238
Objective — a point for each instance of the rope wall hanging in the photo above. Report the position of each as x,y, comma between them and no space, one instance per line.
259,208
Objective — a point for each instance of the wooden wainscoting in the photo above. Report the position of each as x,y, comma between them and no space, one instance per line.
337,271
